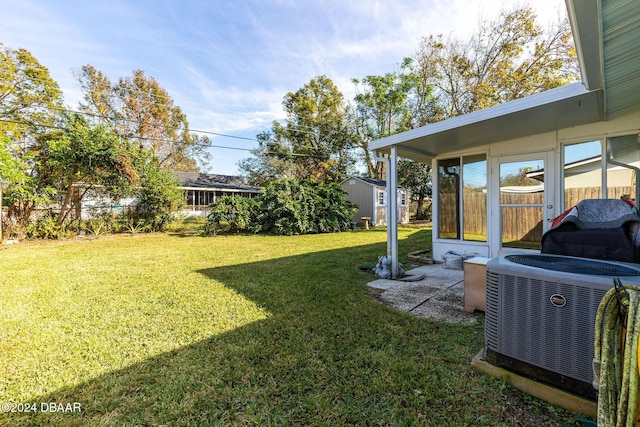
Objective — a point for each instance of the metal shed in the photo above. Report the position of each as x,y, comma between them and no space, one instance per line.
370,195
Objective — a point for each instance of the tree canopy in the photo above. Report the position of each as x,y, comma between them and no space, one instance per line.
507,58
30,108
141,111
121,143
314,142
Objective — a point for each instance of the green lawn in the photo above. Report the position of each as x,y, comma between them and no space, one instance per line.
242,330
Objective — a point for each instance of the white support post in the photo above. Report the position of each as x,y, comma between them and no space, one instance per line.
391,214
392,210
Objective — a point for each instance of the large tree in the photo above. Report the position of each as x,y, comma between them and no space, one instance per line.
30,108
141,110
270,161
88,158
507,59
381,109
314,141
389,104
416,176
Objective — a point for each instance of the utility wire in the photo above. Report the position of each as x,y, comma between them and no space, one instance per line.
165,99
162,140
298,129
123,119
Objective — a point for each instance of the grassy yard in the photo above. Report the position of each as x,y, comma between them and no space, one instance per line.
242,330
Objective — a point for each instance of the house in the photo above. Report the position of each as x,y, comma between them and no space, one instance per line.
202,189
588,129
370,195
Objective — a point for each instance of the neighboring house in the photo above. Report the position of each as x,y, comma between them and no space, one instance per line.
202,189
562,133
93,202
370,195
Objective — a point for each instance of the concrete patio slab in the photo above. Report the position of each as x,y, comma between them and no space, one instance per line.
438,296
407,296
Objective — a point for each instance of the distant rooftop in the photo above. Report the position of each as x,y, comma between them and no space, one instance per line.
197,180
375,182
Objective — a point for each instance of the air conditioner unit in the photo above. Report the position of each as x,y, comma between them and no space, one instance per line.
540,315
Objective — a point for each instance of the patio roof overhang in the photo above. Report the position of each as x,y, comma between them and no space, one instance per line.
605,33
555,109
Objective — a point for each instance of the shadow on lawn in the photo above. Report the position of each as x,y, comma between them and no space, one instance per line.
328,354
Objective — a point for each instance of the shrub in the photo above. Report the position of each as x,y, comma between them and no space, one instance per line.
95,226
333,211
285,207
158,198
233,214
46,227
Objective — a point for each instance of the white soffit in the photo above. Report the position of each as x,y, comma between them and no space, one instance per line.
555,109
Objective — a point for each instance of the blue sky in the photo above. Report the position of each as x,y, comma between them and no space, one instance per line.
228,64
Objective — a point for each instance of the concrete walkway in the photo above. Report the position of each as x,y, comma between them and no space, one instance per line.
437,296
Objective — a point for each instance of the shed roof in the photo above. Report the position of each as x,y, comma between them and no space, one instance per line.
370,181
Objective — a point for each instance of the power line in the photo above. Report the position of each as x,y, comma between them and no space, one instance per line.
83,113
160,139
123,119
143,98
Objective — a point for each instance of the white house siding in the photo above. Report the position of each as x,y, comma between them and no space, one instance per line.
381,212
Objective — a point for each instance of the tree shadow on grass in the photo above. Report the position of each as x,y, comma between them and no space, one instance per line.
327,355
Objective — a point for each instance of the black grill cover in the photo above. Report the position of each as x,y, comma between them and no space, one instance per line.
608,244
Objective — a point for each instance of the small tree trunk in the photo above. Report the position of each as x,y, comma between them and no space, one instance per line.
420,206
64,210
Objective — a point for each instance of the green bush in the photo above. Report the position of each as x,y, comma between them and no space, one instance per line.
333,211
158,198
46,227
95,226
285,207
232,214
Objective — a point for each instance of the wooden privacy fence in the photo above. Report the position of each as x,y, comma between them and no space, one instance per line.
518,223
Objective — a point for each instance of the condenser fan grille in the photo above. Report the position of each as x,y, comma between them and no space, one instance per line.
573,265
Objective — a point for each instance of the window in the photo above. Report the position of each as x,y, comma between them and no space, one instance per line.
622,163
449,199
521,201
474,195
462,198
584,177
403,198
382,198
582,172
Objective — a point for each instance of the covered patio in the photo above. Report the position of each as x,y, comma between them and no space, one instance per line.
590,127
